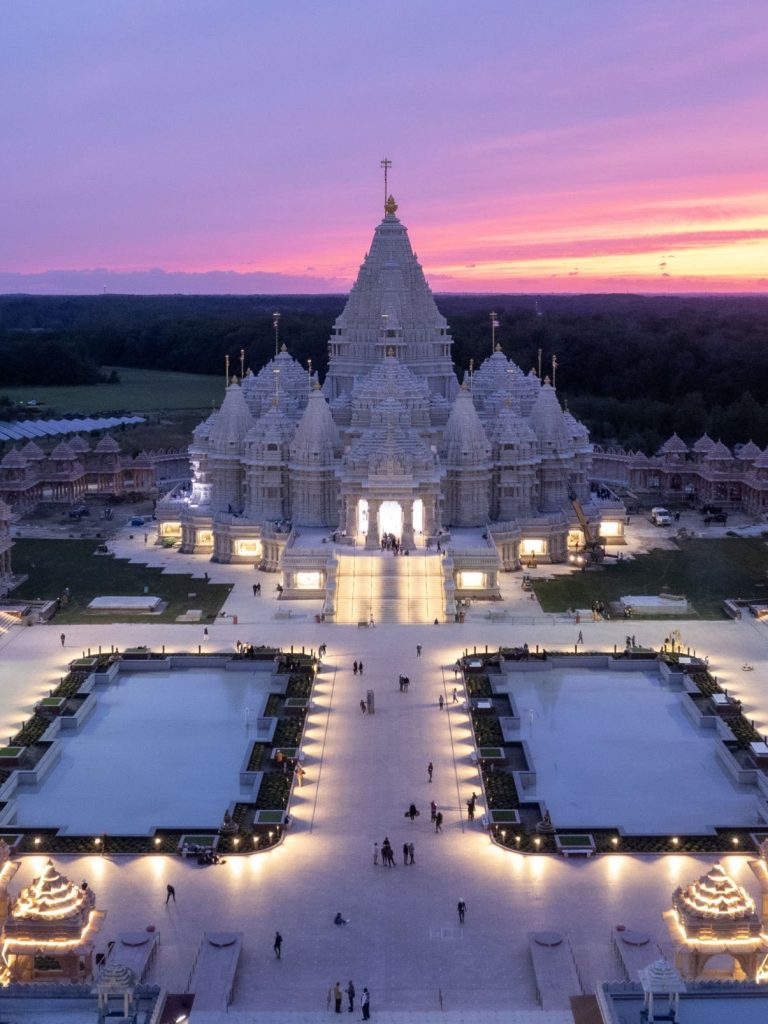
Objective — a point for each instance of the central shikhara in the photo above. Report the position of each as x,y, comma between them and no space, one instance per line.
391,443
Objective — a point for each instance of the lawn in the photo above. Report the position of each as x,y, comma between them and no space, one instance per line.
139,391
706,572
53,565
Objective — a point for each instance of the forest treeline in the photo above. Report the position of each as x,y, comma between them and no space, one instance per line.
633,368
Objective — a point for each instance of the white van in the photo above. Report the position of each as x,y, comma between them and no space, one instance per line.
661,516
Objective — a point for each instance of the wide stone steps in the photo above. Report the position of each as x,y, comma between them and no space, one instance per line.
386,588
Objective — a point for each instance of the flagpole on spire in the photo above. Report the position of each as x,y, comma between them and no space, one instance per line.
226,369
242,363
554,369
276,325
494,325
386,164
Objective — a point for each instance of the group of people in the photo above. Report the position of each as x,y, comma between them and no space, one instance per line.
389,542
357,666
337,995
387,853
405,682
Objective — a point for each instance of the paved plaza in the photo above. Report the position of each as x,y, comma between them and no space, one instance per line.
403,940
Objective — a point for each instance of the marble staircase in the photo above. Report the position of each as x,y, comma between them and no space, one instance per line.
389,588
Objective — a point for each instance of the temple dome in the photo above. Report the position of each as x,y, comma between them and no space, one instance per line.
107,446
713,897
547,420
704,445
271,431
674,445
465,439
719,454
233,420
282,375
317,437
748,452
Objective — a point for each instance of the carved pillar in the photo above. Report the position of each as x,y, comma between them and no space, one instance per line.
372,539
407,534
350,515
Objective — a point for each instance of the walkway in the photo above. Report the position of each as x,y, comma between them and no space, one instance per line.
403,939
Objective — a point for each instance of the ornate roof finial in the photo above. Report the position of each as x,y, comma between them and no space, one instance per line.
385,165
390,206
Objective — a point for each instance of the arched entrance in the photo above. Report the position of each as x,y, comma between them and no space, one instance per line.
391,518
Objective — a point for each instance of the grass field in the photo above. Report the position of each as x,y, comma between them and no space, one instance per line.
139,391
53,565
706,572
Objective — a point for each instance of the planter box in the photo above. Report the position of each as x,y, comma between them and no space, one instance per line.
503,816
269,817
575,844
205,839
491,754
10,756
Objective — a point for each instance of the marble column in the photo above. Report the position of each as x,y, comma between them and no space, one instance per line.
406,538
372,539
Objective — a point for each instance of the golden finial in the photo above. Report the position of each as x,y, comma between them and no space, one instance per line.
390,206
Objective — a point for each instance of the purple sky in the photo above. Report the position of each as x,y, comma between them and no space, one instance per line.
561,145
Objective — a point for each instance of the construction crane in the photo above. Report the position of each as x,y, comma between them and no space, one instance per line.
593,546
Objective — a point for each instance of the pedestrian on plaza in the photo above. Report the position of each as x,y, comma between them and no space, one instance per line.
581,638
441,701
170,893
402,683
439,821
405,853
412,812
462,909
432,810
456,670
360,667
375,854
254,590
146,537
339,919
370,621
205,633
365,1005
633,642
278,945
430,769
354,668
411,849
363,707
351,995
418,650
63,638
300,773
406,683
455,695
337,997
470,811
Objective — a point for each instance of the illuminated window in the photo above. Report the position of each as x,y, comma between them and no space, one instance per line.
471,580
248,548
309,580
533,546
204,537
610,529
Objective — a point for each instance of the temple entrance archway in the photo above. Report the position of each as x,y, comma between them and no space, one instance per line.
391,518
362,516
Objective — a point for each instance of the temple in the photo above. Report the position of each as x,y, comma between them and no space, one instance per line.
391,446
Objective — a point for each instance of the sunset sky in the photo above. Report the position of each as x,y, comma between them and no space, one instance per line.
557,146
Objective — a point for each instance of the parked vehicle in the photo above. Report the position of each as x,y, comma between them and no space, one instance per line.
661,516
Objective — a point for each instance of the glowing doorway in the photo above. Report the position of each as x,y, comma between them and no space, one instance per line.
362,516
418,516
391,518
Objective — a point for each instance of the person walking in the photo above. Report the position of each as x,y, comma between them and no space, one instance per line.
63,638
455,695
440,701
470,811
405,853
462,909
581,638
432,810
430,769
439,821
351,996
360,667
363,708
337,997
418,650
354,668
205,633
170,893
411,850
375,854
278,945
365,1005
